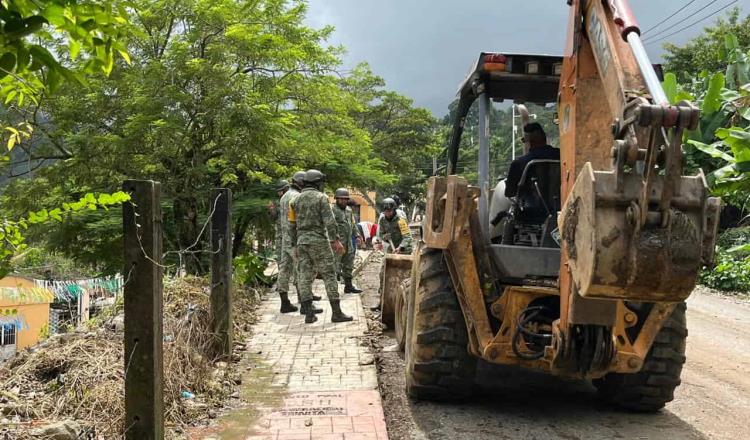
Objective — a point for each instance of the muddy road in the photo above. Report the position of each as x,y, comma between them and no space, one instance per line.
713,401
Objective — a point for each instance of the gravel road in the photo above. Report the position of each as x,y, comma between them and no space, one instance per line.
713,401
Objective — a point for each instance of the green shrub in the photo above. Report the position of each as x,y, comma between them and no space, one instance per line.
249,268
38,262
732,270
734,238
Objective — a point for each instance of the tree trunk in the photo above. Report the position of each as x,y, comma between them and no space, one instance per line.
186,223
240,229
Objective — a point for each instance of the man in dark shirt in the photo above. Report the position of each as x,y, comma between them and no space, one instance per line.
536,140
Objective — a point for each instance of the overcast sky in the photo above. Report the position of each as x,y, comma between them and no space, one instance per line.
424,48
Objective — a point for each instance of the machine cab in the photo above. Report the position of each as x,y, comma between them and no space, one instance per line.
521,231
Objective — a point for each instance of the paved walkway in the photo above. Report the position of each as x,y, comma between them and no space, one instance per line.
311,382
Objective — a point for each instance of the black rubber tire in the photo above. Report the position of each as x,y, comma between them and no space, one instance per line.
652,387
438,365
400,312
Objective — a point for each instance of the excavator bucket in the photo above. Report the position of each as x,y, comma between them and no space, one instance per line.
397,269
612,257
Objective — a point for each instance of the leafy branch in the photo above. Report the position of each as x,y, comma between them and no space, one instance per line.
12,240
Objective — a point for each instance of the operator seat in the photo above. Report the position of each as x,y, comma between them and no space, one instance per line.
537,201
538,195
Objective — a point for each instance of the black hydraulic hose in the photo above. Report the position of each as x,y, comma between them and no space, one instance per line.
524,319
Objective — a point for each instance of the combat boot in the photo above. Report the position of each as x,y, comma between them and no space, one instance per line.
338,315
286,305
303,310
309,312
349,287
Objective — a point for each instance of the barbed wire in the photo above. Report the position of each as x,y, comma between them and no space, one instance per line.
188,250
200,234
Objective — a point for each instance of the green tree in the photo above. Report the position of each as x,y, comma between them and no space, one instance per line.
713,71
86,34
707,52
219,93
404,137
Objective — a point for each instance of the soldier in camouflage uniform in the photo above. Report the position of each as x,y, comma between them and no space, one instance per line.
347,231
282,262
394,237
313,232
288,263
281,188
393,230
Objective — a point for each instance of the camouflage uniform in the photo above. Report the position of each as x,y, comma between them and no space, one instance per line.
396,231
347,228
287,264
313,228
277,234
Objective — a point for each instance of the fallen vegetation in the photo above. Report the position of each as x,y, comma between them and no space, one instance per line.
79,376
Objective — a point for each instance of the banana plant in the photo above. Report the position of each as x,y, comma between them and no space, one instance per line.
720,145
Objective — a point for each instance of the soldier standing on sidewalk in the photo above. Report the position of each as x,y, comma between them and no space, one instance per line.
288,262
313,232
282,186
347,231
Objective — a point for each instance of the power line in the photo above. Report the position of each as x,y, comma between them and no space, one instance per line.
673,14
672,26
693,23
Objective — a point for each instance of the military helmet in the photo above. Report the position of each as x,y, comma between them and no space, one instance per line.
314,177
299,178
389,203
341,193
282,185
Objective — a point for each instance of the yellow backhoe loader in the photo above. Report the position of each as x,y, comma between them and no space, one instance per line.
597,252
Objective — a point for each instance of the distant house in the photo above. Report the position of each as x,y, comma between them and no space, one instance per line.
24,314
363,205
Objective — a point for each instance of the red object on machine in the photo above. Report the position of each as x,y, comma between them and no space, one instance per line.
495,58
624,18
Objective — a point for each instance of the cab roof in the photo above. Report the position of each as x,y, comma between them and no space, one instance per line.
517,77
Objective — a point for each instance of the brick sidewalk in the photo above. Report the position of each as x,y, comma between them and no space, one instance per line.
308,381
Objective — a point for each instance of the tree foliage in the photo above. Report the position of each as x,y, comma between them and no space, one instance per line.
707,52
217,93
404,138
86,33
718,81
12,238
720,145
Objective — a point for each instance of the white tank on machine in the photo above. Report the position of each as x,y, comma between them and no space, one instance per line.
498,204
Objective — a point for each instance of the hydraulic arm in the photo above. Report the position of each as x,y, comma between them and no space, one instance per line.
634,227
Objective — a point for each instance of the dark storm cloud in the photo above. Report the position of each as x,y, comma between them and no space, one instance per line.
423,48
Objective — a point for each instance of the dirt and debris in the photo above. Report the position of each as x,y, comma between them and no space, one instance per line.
75,381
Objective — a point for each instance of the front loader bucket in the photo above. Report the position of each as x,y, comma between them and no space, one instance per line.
611,257
397,269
